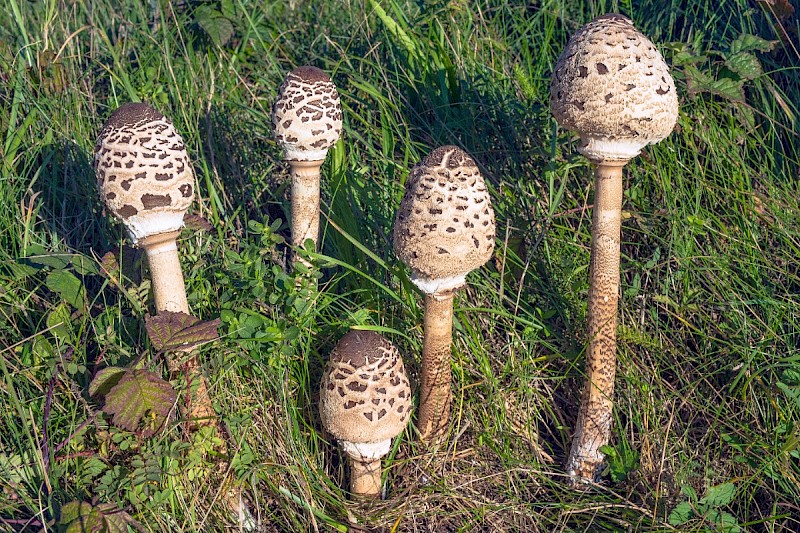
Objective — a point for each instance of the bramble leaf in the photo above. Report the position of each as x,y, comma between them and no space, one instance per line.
83,517
67,286
215,24
681,514
105,380
196,222
745,65
137,395
749,43
170,331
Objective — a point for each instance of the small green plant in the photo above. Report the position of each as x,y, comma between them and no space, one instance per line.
83,517
621,462
708,509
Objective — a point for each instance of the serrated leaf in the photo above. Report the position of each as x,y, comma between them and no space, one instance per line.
82,517
698,81
745,65
196,222
214,23
719,495
140,393
67,286
751,43
105,380
681,514
170,331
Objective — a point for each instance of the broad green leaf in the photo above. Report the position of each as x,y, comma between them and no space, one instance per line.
215,24
681,514
67,286
170,331
745,65
82,264
59,321
137,395
72,510
749,43
719,495
698,81
105,380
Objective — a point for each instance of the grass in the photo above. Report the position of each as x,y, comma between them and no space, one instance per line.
707,413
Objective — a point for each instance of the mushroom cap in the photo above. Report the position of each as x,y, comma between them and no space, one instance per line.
612,86
444,228
307,115
365,396
143,171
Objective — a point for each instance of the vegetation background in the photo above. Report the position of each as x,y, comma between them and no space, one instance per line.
706,435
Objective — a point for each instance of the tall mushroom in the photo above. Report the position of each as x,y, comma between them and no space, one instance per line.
365,401
612,87
307,120
145,178
444,229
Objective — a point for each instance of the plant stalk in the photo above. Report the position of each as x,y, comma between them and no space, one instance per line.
365,478
435,394
305,204
593,427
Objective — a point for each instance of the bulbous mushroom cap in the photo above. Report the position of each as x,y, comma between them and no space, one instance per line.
612,86
307,115
143,171
365,396
445,227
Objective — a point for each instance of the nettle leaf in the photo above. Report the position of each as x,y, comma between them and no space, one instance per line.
83,517
745,65
681,514
139,394
719,495
67,286
698,82
751,43
196,222
218,27
170,331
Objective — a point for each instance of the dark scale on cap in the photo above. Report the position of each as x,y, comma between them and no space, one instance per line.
310,74
358,345
131,113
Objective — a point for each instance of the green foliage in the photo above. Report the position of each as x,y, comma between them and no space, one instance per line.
138,400
620,462
707,509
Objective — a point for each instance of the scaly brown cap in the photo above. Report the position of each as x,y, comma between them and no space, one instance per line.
612,86
445,227
307,115
143,171
365,396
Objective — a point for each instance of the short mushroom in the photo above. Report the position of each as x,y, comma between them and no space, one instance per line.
611,86
307,121
365,401
444,229
146,180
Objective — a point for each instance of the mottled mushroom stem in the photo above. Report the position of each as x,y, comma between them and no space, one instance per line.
305,204
435,396
169,293
593,426
365,478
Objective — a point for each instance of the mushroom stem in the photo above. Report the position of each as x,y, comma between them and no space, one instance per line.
167,276
434,408
169,293
593,427
305,204
365,478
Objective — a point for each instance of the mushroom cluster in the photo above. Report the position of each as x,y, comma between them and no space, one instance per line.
614,89
444,229
307,121
365,402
